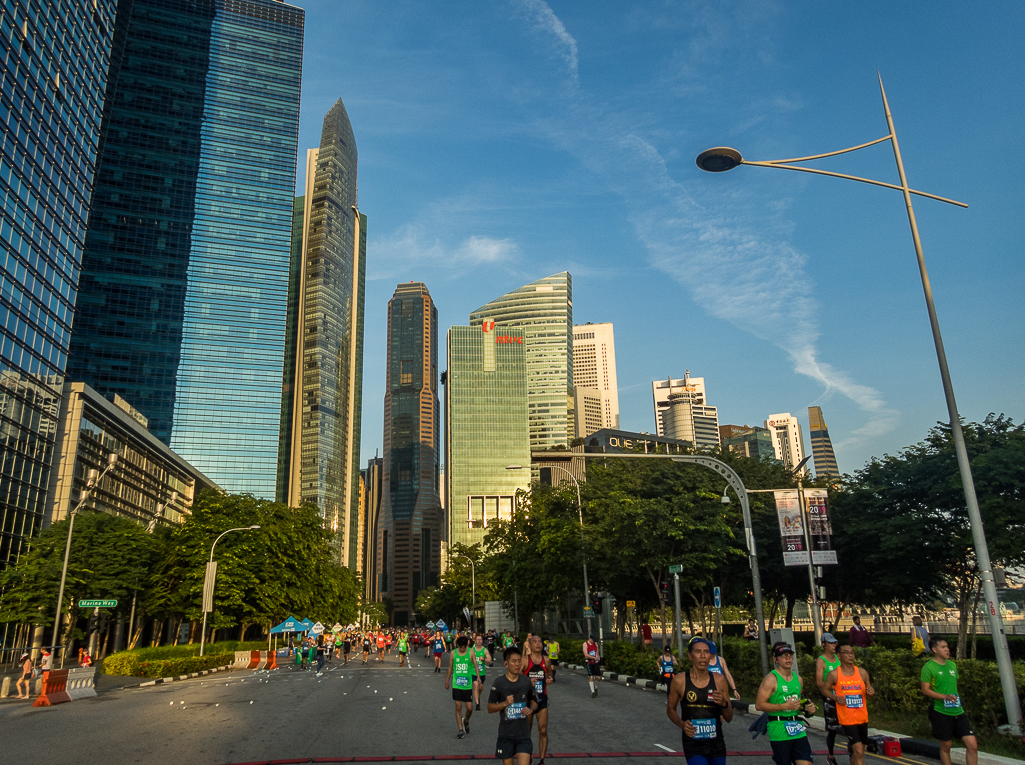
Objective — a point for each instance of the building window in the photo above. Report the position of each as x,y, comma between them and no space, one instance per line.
406,373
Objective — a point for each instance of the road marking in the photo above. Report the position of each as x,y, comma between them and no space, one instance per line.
665,747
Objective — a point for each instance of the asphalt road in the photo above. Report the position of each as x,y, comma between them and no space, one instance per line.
355,711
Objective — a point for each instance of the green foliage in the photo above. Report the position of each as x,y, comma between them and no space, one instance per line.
132,666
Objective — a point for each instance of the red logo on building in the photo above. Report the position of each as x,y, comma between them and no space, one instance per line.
508,339
487,326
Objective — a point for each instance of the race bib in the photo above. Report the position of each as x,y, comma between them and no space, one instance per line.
462,682
539,687
516,711
794,728
704,729
947,703
854,702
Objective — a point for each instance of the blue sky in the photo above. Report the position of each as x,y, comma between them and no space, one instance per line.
501,142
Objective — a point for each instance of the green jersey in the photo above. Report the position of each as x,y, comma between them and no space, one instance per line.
402,644
788,727
828,666
942,678
507,641
553,649
462,671
481,654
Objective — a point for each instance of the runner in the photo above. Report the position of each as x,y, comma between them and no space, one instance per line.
948,718
780,696
380,646
849,687
718,665
667,667
483,659
704,703
553,655
513,697
321,650
347,647
462,675
439,649
403,648
491,646
388,640
366,647
537,672
448,640
825,664
592,657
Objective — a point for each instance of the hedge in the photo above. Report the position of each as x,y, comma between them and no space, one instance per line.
126,664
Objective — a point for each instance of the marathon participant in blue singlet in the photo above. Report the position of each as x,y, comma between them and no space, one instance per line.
718,665
667,666
438,645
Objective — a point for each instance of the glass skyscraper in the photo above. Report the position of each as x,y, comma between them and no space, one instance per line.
821,445
411,523
184,280
544,310
54,74
485,427
323,386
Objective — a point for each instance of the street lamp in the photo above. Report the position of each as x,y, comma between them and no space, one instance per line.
721,159
208,584
473,588
91,482
580,510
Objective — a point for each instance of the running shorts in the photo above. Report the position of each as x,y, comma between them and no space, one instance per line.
789,752
462,694
593,670
508,748
949,727
856,733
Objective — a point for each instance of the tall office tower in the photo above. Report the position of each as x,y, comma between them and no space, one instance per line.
544,310
372,477
594,366
756,443
181,307
588,411
821,446
485,427
788,440
324,386
55,62
682,412
411,524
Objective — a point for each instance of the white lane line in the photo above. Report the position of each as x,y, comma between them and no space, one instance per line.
666,748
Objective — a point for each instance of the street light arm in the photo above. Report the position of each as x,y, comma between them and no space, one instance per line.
816,171
241,528
830,153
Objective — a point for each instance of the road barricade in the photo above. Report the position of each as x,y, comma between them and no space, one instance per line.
272,660
81,682
55,688
242,659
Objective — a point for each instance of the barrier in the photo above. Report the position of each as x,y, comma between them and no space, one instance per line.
81,682
256,660
242,659
55,688
272,660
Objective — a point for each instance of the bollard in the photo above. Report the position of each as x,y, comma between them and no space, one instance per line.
5,689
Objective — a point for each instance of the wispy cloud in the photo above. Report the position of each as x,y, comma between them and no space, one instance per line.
412,247
543,18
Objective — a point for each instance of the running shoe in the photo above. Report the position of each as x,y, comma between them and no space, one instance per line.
460,734
594,694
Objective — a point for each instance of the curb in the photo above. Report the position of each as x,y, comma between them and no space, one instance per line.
161,680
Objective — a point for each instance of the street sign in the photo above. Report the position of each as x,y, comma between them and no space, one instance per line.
631,604
588,612
337,627
442,625
678,569
718,598
317,628
431,625
97,604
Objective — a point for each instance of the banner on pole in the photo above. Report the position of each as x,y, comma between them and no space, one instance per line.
208,586
820,528
791,528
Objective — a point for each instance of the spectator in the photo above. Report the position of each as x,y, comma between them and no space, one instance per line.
860,637
47,662
751,630
919,637
26,677
646,633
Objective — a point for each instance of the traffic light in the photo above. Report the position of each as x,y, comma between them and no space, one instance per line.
94,621
598,604
663,590
104,621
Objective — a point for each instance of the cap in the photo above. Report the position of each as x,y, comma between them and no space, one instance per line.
827,638
711,647
781,648
24,656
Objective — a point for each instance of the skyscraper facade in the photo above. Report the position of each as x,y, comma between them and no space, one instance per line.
756,443
485,427
682,411
788,439
373,477
821,446
184,281
544,310
411,525
324,387
594,366
54,74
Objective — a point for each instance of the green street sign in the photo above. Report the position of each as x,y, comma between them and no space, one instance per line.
97,604
588,612
676,569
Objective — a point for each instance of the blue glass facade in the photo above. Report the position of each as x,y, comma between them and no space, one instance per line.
185,275
54,73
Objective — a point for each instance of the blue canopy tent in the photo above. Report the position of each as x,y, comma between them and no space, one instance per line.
291,624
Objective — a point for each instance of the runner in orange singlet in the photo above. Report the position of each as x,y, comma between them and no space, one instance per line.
849,686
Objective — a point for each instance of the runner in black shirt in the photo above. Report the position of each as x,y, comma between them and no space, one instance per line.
366,647
704,702
513,697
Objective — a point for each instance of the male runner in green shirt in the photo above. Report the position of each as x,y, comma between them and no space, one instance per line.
462,674
780,694
948,718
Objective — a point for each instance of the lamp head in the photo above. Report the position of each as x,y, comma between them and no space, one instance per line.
112,459
725,499
254,527
719,160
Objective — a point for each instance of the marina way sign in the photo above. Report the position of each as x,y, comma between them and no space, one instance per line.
97,604
676,569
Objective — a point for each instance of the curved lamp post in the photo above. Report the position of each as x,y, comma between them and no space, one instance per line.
723,158
208,583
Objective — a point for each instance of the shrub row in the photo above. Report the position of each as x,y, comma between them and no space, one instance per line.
128,664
